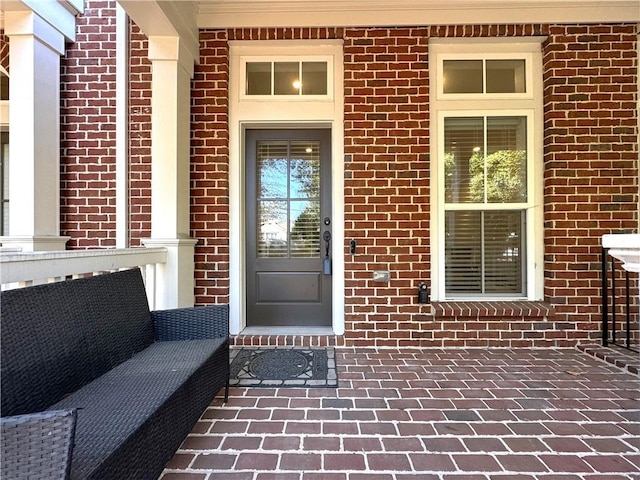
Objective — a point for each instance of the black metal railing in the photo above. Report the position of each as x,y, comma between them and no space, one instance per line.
619,313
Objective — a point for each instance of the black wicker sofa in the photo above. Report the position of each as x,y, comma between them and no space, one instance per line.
95,386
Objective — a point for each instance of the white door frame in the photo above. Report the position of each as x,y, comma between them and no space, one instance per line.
245,114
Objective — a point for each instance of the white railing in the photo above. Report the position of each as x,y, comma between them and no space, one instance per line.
18,269
625,247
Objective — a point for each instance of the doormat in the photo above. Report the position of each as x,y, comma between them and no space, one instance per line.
283,367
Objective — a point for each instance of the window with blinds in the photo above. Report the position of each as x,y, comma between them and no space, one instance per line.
485,189
486,134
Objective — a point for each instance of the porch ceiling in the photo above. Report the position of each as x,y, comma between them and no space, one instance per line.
336,13
171,17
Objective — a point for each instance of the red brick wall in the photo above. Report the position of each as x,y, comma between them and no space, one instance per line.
285,33
591,161
386,181
210,168
387,184
87,131
139,138
591,165
88,128
387,202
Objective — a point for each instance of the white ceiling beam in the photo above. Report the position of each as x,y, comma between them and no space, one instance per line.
167,19
61,14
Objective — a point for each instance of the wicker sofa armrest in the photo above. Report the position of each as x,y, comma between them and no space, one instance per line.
191,323
37,445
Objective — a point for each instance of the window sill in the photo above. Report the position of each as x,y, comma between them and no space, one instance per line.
477,309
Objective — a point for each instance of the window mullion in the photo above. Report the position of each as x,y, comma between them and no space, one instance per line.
484,75
273,78
484,159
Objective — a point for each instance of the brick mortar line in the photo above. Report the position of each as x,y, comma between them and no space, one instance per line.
423,439
375,410
342,450
343,436
434,421
408,455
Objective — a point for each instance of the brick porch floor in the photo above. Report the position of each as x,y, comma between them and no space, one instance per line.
428,414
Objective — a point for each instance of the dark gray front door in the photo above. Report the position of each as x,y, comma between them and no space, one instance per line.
288,220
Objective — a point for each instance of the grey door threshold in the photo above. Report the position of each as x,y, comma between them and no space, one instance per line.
304,331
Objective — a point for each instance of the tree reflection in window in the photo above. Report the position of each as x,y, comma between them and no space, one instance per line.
288,199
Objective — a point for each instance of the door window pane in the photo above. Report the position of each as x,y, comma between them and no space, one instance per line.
305,169
506,76
258,78
288,203
272,168
272,229
305,229
286,78
462,76
305,184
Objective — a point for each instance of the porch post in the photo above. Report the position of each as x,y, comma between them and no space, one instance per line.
34,133
172,69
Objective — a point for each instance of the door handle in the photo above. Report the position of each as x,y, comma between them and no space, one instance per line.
327,241
326,263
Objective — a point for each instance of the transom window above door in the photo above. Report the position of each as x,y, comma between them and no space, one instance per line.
287,78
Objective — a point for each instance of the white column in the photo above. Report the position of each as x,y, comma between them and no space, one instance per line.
122,130
172,69
34,134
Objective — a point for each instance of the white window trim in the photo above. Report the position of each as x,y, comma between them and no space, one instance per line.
531,104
